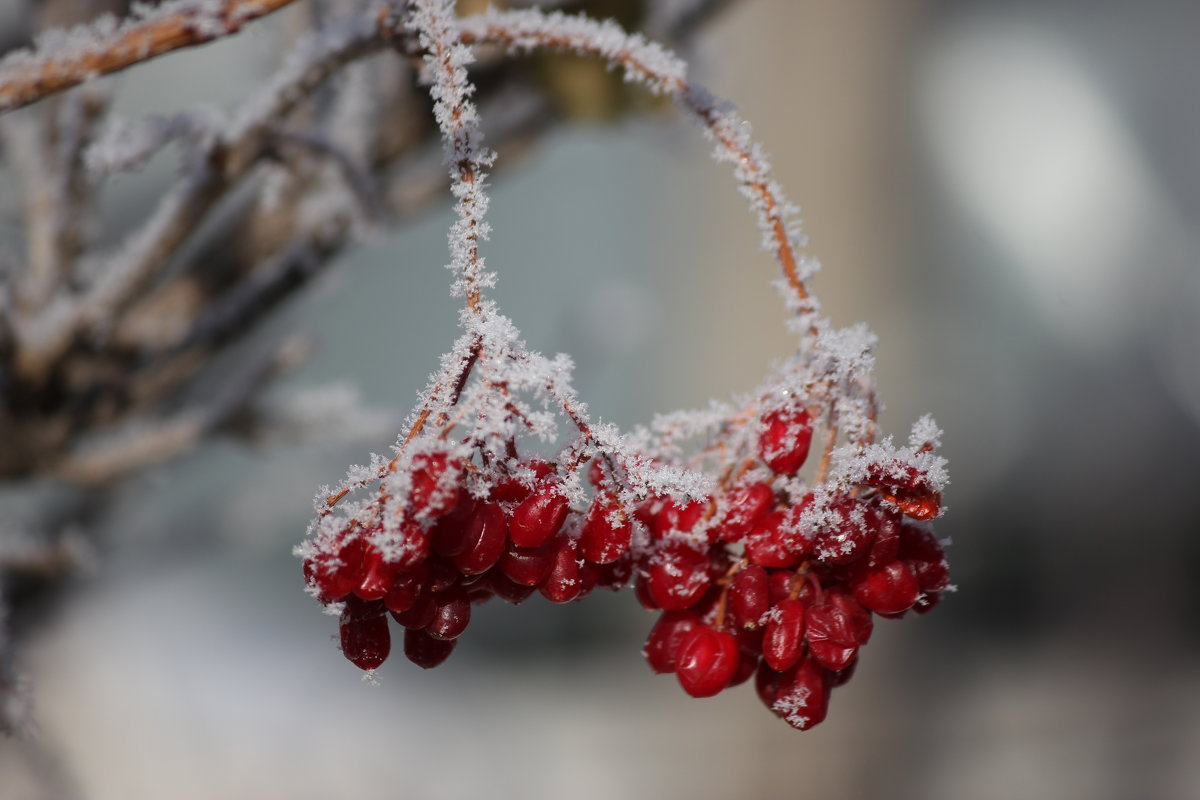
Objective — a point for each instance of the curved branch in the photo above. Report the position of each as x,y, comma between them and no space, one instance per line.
101,48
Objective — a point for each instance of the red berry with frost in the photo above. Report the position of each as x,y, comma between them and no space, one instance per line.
749,596
678,517
405,588
487,535
662,645
436,484
784,438
376,575
744,506
539,516
616,575
564,583
677,575
706,661
777,541
513,489
424,650
783,637
848,532
420,613
802,695
887,588
603,540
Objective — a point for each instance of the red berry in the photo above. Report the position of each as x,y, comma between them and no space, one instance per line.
528,566
662,645
766,684
888,588
748,659
366,640
835,628
436,484
564,582
802,696
337,574
507,590
749,597
848,533
420,613
514,490
405,588
451,531
784,438
616,575
376,575
744,506
706,661
424,650
538,517
486,538
924,554
783,639
776,541
453,612
672,516
602,541
677,575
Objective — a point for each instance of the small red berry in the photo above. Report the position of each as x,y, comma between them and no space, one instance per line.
486,537
677,575
662,645
802,696
453,612
366,641
783,639
887,588
539,516
707,661
602,541
749,596
744,506
564,583
784,439
424,650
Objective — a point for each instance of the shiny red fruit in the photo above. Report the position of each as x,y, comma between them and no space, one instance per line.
486,537
835,629
662,645
749,597
538,517
677,575
744,506
784,438
452,613
707,661
602,541
888,588
802,695
564,583
783,639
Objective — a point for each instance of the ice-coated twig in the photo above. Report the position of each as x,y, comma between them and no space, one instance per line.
62,59
662,73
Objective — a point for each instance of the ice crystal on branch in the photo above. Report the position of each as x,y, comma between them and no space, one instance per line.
769,530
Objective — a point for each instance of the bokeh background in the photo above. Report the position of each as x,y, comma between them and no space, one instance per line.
1007,191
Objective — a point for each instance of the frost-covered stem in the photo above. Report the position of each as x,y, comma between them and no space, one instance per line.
662,73
831,435
446,63
103,48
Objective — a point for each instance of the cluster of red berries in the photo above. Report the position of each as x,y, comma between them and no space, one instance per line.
750,581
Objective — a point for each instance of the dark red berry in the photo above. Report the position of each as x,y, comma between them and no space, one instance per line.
337,574
486,538
366,641
420,613
616,575
706,661
766,684
451,532
528,566
662,645
453,612
924,554
784,438
426,651
507,590
376,575
405,588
